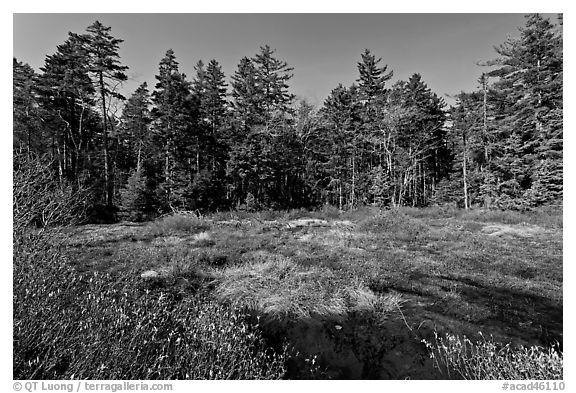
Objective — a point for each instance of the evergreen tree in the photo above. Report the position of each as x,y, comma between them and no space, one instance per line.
133,197
108,73
425,157
210,88
176,136
135,127
262,103
529,72
272,76
372,79
186,147
27,132
66,98
341,111
214,104
244,94
372,94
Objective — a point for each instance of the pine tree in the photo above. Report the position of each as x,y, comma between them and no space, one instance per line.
66,101
108,73
27,131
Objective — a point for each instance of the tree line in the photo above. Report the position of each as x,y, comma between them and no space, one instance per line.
202,144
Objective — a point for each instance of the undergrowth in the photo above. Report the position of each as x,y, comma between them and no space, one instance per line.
177,223
105,326
460,358
395,224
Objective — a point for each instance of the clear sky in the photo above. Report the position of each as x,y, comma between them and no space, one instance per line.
322,48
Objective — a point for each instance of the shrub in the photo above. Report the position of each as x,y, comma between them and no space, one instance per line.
327,212
544,216
40,198
106,326
251,204
433,212
133,198
395,224
486,359
207,190
177,223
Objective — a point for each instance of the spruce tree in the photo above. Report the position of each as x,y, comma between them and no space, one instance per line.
245,97
210,88
262,104
529,78
133,197
341,111
372,79
272,76
372,93
175,122
135,127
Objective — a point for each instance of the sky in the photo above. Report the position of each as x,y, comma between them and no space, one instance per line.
323,48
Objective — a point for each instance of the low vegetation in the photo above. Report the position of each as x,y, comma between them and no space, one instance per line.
360,294
109,326
459,357
277,287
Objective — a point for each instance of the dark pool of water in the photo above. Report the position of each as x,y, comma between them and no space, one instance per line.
358,347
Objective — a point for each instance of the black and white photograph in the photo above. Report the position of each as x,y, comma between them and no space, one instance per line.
287,196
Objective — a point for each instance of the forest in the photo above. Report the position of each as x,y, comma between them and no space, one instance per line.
202,144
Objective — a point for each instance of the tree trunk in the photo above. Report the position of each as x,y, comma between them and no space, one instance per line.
464,158
340,196
107,181
352,196
60,170
139,156
485,117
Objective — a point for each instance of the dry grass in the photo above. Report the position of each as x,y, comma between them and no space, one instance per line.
448,266
177,224
396,224
278,287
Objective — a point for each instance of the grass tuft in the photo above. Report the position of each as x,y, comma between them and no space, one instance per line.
486,359
177,223
394,224
278,287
